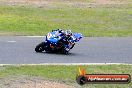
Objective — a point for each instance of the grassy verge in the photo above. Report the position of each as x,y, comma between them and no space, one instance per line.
68,73
94,21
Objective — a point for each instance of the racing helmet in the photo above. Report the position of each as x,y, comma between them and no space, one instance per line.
68,32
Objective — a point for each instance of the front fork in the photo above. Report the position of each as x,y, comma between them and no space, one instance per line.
69,46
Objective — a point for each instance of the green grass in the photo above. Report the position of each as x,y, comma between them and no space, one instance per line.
68,73
97,21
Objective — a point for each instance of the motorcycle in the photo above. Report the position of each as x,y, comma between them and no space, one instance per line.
58,43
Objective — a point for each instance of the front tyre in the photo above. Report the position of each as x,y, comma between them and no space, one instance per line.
40,47
65,51
72,46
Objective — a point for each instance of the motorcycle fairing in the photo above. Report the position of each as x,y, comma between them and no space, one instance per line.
77,36
52,37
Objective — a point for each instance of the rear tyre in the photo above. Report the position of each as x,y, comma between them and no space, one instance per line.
40,47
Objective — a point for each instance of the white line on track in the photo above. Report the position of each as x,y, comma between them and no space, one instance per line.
68,64
33,36
11,41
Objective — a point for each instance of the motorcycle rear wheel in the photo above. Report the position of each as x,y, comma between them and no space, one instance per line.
40,47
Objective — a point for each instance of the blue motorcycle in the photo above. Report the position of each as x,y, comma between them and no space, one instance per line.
58,41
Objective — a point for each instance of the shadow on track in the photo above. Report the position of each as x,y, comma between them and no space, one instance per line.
59,54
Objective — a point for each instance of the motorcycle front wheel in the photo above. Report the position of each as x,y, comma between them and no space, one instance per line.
65,51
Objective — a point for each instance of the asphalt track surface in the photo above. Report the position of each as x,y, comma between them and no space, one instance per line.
20,50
